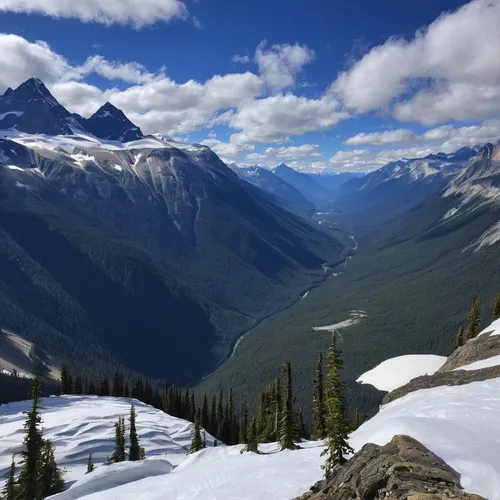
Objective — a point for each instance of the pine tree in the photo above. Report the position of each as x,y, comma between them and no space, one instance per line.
213,416
358,420
50,477
252,442
197,441
496,307
244,423
299,430
204,440
27,487
135,448
318,402
459,340
337,428
205,421
474,320
278,408
119,452
220,415
286,434
64,379
9,490
78,387
90,464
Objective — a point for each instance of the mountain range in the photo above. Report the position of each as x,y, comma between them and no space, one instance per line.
120,247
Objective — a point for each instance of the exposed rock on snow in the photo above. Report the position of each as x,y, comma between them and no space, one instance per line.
483,347
398,371
356,317
397,471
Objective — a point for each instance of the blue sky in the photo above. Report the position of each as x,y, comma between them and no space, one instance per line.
264,82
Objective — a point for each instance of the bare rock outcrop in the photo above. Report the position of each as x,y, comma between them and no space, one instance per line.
403,469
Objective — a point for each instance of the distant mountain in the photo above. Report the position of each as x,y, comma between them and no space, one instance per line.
153,252
108,122
335,181
271,183
31,108
400,185
304,183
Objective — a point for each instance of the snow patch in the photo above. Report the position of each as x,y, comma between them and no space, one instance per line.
396,372
17,113
493,329
14,167
356,317
488,238
479,365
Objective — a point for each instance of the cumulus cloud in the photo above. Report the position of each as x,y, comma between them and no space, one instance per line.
240,59
227,149
274,118
294,151
447,137
451,70
280,64
137,13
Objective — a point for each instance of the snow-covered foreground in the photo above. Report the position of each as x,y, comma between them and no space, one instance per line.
79,425
396,372
459,424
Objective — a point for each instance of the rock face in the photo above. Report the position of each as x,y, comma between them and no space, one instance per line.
403,469
483,347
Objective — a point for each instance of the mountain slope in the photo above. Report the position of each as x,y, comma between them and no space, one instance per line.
271,183
305,184
103,243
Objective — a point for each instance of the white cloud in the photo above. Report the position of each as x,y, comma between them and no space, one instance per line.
280,64
227,149
240,59
447,137
451,70
381,138
274,118
294,151
137,13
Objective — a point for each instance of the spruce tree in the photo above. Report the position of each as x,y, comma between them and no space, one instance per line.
244,423
299,430
119,452
205,420
318,402
474,320
31,455
197,441
220,415
50,477
252,442
496,307
287,421
64,379
337,429
459,340
9,490
135,448
213,416
90,465
278,408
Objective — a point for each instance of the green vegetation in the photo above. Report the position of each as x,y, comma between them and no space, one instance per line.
90,465
474,320
459,341
135,449
318,403
496,307
337,428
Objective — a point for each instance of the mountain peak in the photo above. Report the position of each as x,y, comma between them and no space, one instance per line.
34,88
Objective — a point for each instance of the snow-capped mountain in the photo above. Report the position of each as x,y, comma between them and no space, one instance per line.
160,229
266,180
110,123
31,108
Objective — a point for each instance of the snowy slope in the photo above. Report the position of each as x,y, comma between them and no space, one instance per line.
458,424
79,425
478,365
493,329
398,371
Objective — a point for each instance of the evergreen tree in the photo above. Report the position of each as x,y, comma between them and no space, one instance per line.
474,320
78,388
104,386
252,442
286,434
318,402
213,416
205,420
64,379
220,415
278,408
9,490
28,486
299,430
244,423
337,428
90,464
358,420
496,307
119,452
204,440
197,441
135,449
50,477
192,408
459,339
